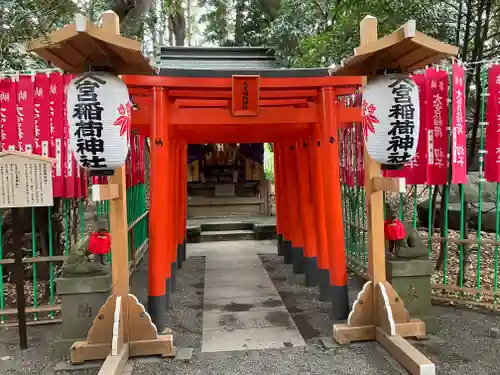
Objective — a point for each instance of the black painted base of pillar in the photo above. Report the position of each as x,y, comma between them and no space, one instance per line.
299,266
173,277
287,252
340,302
168,285
184,253
311,271
156,310
179,256
280,245
324,284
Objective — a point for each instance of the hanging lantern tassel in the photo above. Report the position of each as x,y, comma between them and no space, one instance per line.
99,113
391,119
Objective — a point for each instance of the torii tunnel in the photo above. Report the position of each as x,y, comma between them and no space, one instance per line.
299,114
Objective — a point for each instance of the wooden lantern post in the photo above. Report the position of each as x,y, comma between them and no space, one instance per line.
379,313
122,328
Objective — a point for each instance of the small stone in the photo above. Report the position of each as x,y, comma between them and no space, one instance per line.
167,331
184,354
4,358
328,343
494,332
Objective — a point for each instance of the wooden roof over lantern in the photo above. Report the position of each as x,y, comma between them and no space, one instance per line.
79,45
406,49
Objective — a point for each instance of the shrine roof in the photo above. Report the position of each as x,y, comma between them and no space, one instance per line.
264,73
224,62
406,48
216,58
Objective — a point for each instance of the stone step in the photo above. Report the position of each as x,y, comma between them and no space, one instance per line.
226,226
227,235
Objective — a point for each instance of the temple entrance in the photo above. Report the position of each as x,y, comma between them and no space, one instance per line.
227,179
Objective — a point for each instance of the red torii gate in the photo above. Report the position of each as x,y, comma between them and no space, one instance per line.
300,115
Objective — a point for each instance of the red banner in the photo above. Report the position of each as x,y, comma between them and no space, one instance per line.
57,148
360,156
416,169
437,122
142,144
69,167
25,113
458,126
8,113
492,158
343,156
134,157
42,115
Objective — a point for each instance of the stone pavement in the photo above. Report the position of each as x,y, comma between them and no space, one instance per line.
241,308
461,346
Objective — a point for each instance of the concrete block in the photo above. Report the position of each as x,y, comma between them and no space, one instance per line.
81,299
184,354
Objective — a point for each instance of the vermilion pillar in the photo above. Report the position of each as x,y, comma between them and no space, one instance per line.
157,251
333,203
307,219
277,200
297,216
181,249
317,191
184,166
173,210
167,212
284,199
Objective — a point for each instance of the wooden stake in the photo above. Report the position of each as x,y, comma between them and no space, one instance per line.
379,313
122,327
19,273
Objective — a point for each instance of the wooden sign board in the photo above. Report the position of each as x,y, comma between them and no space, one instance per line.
25,180
246,92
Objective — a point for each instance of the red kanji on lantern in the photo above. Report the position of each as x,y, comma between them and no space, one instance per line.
125,118
369,118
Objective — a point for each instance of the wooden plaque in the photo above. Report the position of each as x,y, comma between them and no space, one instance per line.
246,92
25,180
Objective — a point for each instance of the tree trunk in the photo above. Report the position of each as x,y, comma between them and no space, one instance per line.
239,37
177,26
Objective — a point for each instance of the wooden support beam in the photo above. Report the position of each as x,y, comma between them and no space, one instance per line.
390,184
115,364
406,354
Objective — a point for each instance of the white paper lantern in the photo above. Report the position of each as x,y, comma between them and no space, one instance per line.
391,119
99,115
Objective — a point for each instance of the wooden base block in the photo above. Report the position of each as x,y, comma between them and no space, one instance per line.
414,361
133,327
163,345
343,334
82,351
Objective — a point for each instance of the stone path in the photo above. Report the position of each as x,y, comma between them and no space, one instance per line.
242,309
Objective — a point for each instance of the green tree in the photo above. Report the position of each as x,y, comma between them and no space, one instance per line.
24,20
238,22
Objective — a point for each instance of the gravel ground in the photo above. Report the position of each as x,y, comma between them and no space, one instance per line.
462,345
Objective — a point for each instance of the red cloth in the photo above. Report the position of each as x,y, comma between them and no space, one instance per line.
100,243
394,230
